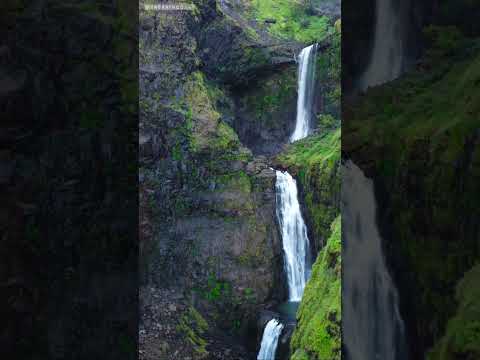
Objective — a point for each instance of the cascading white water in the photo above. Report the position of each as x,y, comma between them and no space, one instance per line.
306,90
270,337
386,60
294,235
372,326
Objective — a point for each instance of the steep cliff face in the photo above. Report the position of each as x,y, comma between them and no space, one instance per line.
419,139
208,205
218,92
315,161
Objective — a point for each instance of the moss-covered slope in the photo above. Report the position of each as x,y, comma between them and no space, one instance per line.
462,337
315,162
419,137
318,333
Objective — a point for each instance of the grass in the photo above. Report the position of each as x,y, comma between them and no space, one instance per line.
313,150
292,20
318,334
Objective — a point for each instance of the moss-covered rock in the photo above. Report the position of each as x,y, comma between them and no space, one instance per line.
318,333
419,138
462,335
315,161
207,203
292,20
192,325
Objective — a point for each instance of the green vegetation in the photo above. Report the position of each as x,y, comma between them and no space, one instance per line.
292,20
209,133
315,160
192,325
318,333
462,337
216,290
421,133
235,181
271,95
328,74
313,150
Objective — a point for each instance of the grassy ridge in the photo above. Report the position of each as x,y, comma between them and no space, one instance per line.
292,20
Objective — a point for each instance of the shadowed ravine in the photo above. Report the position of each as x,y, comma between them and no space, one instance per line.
373,327
296,245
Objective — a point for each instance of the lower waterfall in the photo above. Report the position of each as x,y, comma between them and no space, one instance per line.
372,325
294,235
270,337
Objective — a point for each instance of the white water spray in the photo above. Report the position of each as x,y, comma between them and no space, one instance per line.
372,326
386,60
294,235
271,334
306,90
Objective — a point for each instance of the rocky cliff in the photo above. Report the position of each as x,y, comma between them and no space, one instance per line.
217,94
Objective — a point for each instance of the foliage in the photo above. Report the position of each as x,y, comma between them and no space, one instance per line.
292,20
443,40
462,337
315,160
313,150
271,95
421,134
328,74
318,334
192,325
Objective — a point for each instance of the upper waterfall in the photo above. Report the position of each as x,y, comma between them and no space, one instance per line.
372,325
386,60
306,90
268,347
294,235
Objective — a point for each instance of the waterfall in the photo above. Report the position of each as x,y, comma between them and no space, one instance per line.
386,60
270,338
372,325
306,90
294,235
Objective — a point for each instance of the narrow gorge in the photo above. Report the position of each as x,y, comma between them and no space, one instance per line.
373,327
296,245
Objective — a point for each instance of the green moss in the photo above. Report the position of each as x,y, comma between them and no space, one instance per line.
198,96
235,181
462,337
318,334
224,138
300,354
270,97
328,74
420,135
292,20
192,325
209,134
313,150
